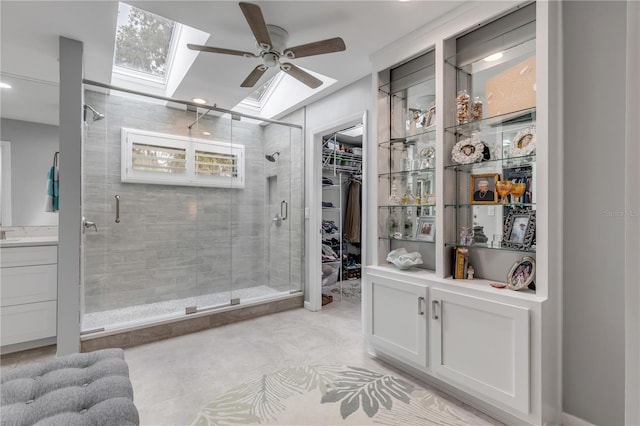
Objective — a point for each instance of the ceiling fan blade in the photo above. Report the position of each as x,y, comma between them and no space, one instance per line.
316,48
212,49
300,74
254,76
253,15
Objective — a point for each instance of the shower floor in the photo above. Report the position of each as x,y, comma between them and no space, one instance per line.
136,315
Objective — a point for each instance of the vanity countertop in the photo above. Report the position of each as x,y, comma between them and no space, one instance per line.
29,241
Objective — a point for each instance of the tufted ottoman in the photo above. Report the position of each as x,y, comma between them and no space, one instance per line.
80,389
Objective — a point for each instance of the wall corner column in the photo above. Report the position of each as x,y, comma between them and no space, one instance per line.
70,131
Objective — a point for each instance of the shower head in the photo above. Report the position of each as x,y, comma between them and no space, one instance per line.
272,157
96,115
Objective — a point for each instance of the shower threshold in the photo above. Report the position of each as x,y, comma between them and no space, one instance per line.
138,315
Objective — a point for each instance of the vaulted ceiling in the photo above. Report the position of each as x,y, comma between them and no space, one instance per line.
30,31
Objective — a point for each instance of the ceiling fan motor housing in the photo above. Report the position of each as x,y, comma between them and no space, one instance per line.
279,37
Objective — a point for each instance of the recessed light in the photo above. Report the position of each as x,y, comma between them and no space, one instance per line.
199,101
5,85
206,133
494,57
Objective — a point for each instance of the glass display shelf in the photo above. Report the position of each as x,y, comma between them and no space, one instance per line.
497,164
517,42
523,116
388,88
330,186
430,134
487,246
403,206
416,172
406,239
330,262
510,205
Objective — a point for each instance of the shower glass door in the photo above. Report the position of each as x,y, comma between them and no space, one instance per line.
198,217
139,244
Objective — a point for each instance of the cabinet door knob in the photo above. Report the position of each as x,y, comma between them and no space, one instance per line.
434,309
420,310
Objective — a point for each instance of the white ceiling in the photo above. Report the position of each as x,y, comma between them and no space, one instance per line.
30,31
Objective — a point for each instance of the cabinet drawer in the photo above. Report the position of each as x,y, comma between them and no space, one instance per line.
28,322
28,284
26,256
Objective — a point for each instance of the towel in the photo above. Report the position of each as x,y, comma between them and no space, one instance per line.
51,204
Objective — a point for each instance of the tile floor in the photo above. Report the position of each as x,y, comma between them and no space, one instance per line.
174,378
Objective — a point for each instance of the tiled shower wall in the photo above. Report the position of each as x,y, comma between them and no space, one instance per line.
172,242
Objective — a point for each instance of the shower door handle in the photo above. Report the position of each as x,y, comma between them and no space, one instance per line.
117,209
284,210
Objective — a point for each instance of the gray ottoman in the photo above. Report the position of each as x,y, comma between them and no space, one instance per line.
80,389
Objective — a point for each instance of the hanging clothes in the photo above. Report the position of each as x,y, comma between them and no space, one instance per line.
352,220
53,190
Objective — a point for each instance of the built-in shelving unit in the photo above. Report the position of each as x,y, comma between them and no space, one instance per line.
407,162
481,314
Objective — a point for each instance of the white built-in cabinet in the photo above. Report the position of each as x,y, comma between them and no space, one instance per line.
396,312
28,277
482,346
496,349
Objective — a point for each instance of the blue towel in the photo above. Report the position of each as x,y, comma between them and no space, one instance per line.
53,190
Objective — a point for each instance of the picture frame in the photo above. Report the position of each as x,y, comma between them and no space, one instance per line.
426,229
519,229
522,273
481,193
524,143
430,121
468,151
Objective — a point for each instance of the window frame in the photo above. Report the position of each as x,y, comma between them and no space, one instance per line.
190,145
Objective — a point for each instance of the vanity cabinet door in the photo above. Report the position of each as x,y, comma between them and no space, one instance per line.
396,318
482,346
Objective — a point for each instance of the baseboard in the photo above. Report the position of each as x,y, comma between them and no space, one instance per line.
571,420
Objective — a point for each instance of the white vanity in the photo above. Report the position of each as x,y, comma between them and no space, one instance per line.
28,291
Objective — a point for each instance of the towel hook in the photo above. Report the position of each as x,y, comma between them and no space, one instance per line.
55,158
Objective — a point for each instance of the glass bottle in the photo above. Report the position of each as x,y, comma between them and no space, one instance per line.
462,107
476,109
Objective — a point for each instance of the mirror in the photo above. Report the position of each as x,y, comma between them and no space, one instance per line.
29,135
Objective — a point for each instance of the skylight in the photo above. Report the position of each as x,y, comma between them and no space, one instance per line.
259,93
143,43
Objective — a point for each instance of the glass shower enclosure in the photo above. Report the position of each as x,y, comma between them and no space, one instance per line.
185,211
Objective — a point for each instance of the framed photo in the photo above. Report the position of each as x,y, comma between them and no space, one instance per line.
483,188
524,143
519,229
426,229
431,117
522,273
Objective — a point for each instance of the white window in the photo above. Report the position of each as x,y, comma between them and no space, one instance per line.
157,158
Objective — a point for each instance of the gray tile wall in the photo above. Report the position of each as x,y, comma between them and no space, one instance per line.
175,242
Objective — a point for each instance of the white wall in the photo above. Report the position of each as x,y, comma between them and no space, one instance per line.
32,149
594,206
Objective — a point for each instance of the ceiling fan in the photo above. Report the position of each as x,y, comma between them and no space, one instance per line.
271,41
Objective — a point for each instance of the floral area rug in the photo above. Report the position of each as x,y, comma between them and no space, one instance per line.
332,395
